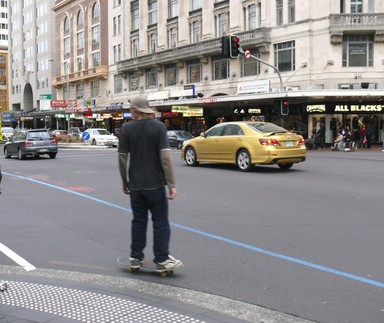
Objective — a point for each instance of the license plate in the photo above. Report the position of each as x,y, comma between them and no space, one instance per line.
289,144
43,150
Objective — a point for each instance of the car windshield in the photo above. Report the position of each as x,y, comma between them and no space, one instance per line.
266,127
103,132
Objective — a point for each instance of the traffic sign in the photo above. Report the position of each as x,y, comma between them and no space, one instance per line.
85,136
247,53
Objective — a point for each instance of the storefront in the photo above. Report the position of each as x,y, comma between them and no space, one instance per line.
351,116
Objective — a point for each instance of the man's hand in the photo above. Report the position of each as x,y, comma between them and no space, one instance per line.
126,190
172,193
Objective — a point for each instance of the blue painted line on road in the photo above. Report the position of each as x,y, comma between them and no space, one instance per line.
220,238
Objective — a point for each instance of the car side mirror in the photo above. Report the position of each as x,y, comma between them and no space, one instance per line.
202,134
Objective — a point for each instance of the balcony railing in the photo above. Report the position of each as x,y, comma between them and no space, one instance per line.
258,37
98,72
358,22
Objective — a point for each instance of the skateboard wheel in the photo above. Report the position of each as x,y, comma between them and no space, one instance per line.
132,270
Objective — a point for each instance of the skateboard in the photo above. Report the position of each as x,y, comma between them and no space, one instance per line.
146,265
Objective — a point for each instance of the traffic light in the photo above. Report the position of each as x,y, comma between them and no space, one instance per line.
284,107
234,46
225,46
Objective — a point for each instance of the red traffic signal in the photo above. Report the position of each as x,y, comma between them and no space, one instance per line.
284,107
234,46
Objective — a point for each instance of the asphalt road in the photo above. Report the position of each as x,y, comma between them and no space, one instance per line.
306,242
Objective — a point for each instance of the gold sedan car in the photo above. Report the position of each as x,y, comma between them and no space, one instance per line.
245,144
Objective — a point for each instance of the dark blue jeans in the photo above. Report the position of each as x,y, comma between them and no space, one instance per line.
154,201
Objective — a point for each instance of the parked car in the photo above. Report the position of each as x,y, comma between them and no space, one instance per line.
245,144
176,138
100,137
33,142
74,131
61,134
7,133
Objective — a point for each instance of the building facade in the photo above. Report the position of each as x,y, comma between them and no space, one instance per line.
31,35
323,58
3,56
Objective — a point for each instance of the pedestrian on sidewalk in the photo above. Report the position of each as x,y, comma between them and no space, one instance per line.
145,166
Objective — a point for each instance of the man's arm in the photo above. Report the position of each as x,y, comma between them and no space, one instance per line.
166,163
123,167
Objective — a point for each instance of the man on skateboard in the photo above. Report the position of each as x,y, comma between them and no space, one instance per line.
145,166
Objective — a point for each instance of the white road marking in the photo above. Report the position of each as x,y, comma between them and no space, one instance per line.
16,258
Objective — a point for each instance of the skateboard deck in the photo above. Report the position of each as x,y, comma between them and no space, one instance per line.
146,265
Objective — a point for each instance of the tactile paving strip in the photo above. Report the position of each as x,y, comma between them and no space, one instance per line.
84,306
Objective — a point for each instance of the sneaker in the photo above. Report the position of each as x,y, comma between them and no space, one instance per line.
169,264
135,263
347,149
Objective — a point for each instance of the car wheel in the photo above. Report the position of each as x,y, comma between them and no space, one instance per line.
179,144
94,143
52,155
6,153
285,166
20,154
243,160
190,157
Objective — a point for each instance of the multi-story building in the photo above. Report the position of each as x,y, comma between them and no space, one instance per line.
31,31
328,54
82,48
3,56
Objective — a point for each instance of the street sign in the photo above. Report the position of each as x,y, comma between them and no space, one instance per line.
247,53
85,136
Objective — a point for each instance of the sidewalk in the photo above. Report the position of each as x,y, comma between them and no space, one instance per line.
54,296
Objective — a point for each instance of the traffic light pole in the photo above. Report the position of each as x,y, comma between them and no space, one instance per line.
241,51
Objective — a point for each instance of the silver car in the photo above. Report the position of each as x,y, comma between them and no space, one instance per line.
34,143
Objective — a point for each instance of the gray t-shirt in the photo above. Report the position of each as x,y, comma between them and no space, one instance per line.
143,139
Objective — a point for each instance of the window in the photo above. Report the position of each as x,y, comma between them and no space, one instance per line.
356,6
357,50
194,71
114,26
220,68
118,83
152,43
80,19
279,12
151,78
171,75
96,59
195,31
80,40
250,67
173,8
291,11
252,23
96,34
152,12
342,6
135,48
95,88
66,25
79,63
135,15
285,56
117,53
79,91
95,11
371,6
195,4
172,40
133,81
66,45
222,24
